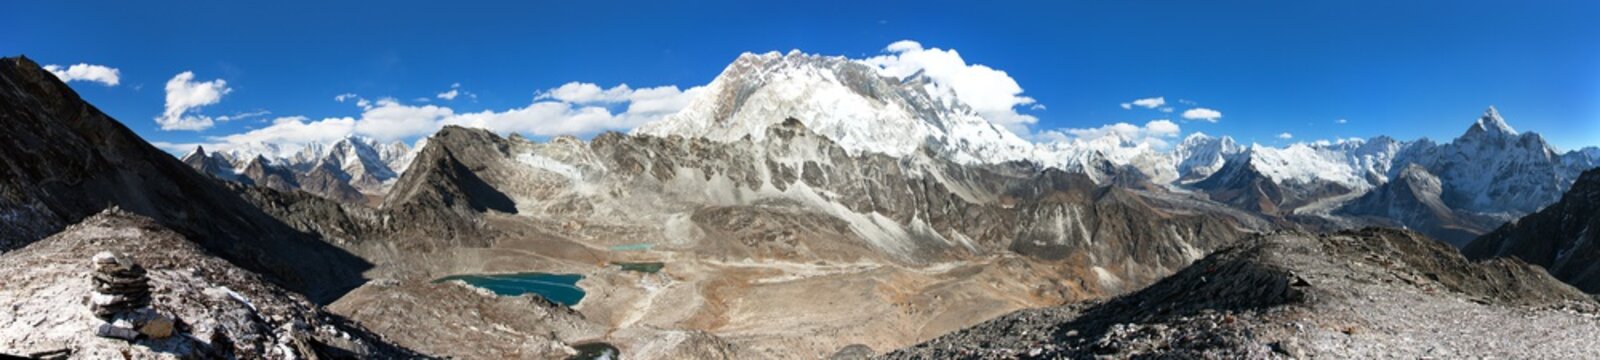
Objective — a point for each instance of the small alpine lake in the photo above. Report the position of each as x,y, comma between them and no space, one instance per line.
558,288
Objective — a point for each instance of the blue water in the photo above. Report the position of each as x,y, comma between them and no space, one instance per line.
559,288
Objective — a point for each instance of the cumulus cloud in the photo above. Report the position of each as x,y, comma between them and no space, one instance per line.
388,120
1285,136
1148,103
185,94
455,90
1341,121
108,76
583,108
991,93
586,93
1153,134
345,96
1202,114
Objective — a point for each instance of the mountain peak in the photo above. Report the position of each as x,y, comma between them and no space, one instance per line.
850,102
198,152
1492,123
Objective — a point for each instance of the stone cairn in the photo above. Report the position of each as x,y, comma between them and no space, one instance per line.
122,298
120,286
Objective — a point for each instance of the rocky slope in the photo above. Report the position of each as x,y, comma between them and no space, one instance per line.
1561,237
64,160
223,311
912,210
1362,294
1413,199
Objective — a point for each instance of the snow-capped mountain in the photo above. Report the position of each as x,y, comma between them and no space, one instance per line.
847,101
364,163
342,170
217,164
1492,168
1200,155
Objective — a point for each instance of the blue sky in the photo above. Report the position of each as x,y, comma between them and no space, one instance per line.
1403,68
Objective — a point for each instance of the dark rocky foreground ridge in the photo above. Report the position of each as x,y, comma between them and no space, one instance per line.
1372,293
62,160
1561,237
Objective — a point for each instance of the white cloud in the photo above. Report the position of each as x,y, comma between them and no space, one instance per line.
580,109
243,115
991,93
1202,114
1127,106
293,130
586,93
1341,121
387,119
455,90
345,96
1162,128
87,72
1150,103
1285,136
185,94
1152,134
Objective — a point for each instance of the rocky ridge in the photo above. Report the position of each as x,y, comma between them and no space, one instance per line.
1371,293
1560,237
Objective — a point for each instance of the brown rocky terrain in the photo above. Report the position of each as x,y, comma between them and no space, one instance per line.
1371,293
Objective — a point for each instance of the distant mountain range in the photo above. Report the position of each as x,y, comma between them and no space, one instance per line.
1487,176
348,170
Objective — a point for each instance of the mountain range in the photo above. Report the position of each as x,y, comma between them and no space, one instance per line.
793,175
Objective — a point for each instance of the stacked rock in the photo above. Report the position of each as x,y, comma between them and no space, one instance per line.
120,286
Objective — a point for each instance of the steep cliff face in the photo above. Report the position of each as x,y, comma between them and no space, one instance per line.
1561,237
64,160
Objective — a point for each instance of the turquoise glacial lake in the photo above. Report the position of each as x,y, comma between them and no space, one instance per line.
559,288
